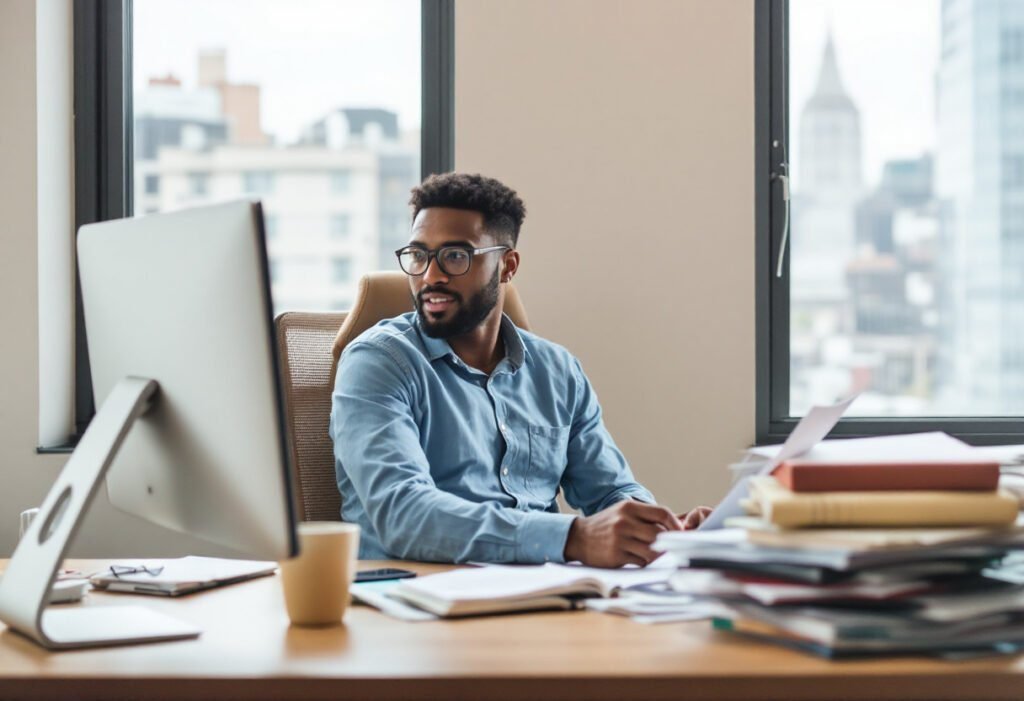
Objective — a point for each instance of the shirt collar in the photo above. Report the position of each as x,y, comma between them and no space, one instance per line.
435,347
515,349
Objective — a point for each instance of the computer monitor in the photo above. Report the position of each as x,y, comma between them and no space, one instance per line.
189,431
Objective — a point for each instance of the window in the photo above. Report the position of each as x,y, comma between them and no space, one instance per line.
296,131
270,226
341,182
197,184
204,118
340,227
258,182
342,271
893,269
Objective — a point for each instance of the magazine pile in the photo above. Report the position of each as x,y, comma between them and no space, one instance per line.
881,546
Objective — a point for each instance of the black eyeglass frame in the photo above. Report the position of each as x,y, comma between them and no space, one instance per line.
118,570
436,255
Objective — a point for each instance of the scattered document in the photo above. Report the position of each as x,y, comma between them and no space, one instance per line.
375,594
1009,456
930,447
811,429
660,606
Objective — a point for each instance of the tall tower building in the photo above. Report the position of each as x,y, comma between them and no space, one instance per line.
980,187
830,147
827,187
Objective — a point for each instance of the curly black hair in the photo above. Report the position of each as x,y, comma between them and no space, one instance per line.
502,209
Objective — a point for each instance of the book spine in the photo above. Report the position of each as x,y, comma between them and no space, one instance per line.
892,509
898,476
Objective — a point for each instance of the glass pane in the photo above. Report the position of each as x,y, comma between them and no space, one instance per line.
907,158
311,106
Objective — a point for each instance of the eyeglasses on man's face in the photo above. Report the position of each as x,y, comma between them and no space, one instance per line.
452,260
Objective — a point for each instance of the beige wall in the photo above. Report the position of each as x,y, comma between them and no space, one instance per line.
627,127
621,124
26,130
24,477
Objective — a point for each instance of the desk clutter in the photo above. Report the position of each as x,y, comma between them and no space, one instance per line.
888,555
884,546
491,589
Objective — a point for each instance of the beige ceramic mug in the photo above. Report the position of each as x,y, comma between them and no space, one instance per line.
316,582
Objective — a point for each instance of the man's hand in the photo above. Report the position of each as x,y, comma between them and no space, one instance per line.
621,534
694,517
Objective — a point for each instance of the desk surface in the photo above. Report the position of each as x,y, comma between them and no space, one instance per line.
248,650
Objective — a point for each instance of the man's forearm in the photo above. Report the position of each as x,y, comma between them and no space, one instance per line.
421,522
634,491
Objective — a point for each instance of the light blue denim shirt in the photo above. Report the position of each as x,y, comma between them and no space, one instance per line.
441,462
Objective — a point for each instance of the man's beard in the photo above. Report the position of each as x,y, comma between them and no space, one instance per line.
468,316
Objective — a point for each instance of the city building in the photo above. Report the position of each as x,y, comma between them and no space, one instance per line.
893,298
827,186
980,187
335,202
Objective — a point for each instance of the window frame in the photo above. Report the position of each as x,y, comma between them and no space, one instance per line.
773,423
104,123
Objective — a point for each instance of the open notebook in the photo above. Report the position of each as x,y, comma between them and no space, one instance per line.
501,588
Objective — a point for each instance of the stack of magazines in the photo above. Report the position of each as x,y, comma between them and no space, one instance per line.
845,558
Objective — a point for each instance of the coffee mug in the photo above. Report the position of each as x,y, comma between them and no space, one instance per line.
316,582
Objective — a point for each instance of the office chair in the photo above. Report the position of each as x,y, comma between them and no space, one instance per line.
309,345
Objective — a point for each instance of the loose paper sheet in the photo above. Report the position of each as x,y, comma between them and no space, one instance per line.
811,429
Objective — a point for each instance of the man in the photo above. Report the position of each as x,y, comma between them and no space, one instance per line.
453,429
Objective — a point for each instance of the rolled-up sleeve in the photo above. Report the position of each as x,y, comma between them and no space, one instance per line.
597,475
377,445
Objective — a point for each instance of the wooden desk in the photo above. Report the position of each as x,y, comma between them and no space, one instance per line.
249,651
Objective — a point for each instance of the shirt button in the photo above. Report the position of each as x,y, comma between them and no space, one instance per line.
504,471
504,428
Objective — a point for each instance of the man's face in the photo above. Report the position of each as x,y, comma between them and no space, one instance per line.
448,305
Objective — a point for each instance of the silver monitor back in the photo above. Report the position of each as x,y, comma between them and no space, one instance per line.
183,298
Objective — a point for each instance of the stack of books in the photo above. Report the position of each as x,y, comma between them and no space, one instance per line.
852,557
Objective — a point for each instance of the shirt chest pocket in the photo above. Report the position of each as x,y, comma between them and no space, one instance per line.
548,458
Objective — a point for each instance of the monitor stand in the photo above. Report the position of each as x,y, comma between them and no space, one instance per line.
32,570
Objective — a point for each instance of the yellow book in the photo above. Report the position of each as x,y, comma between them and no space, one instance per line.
781,507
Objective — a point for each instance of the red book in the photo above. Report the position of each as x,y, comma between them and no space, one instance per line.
809,476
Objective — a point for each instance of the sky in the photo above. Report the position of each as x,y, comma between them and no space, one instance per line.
888,53
308,56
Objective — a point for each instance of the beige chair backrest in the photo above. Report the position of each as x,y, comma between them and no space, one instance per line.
385,295
304,342
309,345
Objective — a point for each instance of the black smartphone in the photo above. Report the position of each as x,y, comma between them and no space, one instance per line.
381,574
